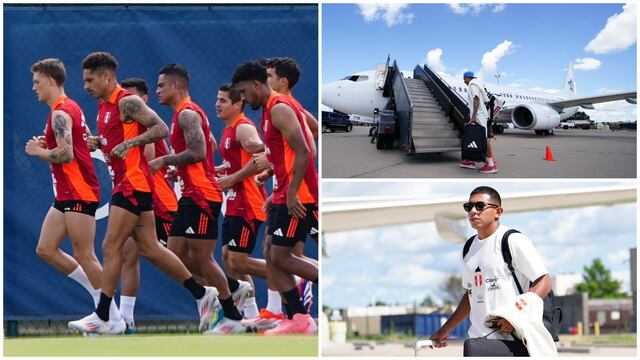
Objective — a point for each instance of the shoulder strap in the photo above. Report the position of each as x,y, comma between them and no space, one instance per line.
467,246
506,255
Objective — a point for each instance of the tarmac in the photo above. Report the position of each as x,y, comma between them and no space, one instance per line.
454,348
518,154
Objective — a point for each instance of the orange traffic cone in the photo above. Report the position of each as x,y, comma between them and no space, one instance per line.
549,156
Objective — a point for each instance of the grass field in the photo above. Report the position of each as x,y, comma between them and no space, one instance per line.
163,345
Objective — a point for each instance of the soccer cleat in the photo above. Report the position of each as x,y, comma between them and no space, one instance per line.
207,306
131,328
267,320
486,169
92,324
300,324
306,293
241,293
467,164
228,326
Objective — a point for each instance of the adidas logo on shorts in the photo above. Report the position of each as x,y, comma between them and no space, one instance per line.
278,232
313,231
233,243
189,231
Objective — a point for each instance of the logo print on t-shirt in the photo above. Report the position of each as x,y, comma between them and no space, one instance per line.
478,277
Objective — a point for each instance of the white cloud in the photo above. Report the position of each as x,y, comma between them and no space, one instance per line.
613,112
434,60
618,34
475,8
605,90
490,59
619,256
587,64
391,14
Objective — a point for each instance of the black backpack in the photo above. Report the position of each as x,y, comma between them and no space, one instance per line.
551,315
474,142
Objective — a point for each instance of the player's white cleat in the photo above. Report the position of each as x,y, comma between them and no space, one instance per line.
228,326
207,306
92,324
241,293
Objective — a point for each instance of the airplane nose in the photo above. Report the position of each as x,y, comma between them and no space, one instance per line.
330,94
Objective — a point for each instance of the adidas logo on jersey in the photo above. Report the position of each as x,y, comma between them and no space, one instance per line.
189,231
472,145
278,232
233,243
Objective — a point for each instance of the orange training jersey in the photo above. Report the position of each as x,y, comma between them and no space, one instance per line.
281,156
164,198
197,180
243,198
132,172
76,180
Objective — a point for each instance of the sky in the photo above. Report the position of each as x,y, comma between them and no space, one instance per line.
529,45
403,264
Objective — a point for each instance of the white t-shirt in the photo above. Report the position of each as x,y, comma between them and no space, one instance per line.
489,281
476,89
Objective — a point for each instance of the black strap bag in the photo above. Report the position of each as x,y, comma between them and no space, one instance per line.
474,142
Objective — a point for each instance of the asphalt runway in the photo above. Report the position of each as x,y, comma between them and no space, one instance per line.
455,349
518,154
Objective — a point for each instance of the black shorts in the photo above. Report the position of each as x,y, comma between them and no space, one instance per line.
238,235
79,206
162,229
285,230
312,221
140,201
193,222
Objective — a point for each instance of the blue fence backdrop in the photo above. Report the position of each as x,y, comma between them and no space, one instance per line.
209,40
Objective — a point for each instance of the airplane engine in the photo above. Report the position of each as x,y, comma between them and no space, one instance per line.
535,117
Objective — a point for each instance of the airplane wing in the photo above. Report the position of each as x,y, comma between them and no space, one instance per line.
587,102
348,215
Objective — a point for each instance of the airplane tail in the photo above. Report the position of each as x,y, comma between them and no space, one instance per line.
569,85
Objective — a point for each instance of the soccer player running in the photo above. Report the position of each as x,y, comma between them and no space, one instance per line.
194,229
164,204
244,199
283,74
287,151
74,178
125,125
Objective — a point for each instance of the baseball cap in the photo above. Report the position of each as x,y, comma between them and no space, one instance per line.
469,74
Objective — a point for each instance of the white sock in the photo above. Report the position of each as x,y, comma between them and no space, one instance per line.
79,276
114,313
127,303
250,308
490,161
274,302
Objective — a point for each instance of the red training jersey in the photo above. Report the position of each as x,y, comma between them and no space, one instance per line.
244,198
76,180
197,180
131,173
281,156
164,198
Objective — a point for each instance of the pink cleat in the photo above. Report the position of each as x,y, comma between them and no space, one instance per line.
300,324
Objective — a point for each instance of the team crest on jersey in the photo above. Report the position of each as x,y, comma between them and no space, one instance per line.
103,141
227,143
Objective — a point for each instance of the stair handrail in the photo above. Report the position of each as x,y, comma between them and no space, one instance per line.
459,105
398,72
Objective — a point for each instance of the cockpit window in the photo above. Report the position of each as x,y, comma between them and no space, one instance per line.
363,78
352,78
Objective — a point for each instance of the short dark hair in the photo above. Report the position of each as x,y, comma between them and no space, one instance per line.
287,68
137,83
493,194
177,70
249,71
99,61
234,94
53,68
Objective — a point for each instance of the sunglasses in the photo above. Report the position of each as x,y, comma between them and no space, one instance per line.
480,206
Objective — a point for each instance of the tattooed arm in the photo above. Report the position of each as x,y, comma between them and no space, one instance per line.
191,124
133,108
63,152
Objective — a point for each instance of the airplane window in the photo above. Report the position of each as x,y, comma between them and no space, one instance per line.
351,78
363,78
460,89
465,90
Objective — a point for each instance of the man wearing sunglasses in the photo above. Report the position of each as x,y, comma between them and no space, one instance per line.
488,281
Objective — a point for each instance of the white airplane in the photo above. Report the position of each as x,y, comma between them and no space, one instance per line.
360,93
348,214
